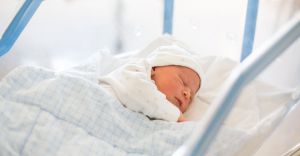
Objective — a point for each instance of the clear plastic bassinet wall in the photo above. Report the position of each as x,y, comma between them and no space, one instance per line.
63,33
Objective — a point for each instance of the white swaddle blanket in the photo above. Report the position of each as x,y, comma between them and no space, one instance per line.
132,84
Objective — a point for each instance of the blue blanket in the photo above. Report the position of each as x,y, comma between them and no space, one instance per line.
49,113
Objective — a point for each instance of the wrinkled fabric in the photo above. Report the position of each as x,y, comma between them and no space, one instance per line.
47,113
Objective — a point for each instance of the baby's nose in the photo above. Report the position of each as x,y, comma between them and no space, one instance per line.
187,94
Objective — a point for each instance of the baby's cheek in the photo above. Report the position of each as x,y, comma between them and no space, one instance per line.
173,89
167,90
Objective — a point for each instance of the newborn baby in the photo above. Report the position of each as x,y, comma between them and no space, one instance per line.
161,86
178,83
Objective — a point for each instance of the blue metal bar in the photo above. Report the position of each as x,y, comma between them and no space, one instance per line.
17,25
249,30
168,16
241,76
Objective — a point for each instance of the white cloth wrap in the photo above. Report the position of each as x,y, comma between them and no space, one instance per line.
133,86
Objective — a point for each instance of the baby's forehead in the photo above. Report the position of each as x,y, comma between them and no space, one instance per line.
191,76
187,70
187,74
178,67
183,69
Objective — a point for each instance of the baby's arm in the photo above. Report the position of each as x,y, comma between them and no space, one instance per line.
181,118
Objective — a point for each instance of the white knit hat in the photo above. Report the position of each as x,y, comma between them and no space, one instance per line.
175,55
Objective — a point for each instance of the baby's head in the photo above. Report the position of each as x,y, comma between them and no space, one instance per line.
176,74
179,84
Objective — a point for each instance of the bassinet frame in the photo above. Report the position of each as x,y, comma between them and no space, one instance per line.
247,71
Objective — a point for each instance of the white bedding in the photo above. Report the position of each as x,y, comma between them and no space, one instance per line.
43,112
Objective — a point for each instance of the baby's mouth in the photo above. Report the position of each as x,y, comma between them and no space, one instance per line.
178,102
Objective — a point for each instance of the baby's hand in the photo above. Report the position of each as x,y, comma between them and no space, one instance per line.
181,118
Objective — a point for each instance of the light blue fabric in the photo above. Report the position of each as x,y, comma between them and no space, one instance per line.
44,113
48,113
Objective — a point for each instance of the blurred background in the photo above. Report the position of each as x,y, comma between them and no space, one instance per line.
63,33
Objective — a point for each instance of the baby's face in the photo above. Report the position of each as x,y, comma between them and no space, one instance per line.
178,83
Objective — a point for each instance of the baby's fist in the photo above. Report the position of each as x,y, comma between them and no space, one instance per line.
181,118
